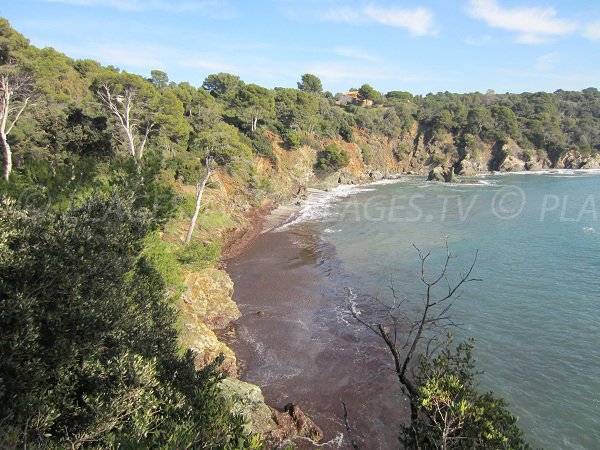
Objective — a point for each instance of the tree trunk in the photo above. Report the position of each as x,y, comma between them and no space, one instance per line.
7,156
199,192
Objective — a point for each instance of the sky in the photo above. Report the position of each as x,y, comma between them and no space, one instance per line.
416,46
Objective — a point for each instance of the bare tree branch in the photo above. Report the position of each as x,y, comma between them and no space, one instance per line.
433,319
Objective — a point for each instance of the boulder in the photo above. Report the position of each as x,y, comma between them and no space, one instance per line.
293,423
208,298
275,426
206,305
533,166
249,402
440,174
376,175
436,174
468,168
347,178
591,163
511,164
203,341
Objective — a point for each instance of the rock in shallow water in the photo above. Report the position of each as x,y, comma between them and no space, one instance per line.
273,425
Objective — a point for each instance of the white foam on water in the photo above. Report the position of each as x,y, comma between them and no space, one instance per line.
320,204
543,172
589,230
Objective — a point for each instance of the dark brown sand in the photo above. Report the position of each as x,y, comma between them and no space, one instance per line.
296,342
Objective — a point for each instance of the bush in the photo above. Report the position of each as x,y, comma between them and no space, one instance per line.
332,158
366,155
310,141
291,138
89,353
199,255
452,414
262,145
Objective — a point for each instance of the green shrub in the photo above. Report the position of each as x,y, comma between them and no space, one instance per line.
291,138
199,255
310,141
262,145
90,352
332,158
366,154
164,258
452,414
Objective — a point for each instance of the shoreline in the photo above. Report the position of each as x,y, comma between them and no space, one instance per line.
271,263
294,342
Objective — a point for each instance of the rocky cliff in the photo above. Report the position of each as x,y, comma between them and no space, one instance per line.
206,307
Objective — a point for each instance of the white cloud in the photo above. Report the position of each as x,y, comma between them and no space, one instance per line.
418,21
208,6
534,25
592,31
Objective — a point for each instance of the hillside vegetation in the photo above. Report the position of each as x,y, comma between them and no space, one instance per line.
99,298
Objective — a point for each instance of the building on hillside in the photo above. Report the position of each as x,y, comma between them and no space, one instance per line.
352,98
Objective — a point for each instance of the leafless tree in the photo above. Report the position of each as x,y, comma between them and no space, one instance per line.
405,336
123,106
16,90
200,185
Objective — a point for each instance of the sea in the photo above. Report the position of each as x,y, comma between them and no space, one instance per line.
533,307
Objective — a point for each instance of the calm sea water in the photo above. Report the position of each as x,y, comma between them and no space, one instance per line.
535,315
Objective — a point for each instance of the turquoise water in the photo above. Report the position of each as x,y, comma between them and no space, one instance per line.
535,314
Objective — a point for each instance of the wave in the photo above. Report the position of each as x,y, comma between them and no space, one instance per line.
320,203
571,172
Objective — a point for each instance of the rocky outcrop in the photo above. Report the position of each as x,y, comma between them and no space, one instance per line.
249,402
376,175
511,163
468,167
534,166
293,423
441,174
574,160
205,306
275,426
347,178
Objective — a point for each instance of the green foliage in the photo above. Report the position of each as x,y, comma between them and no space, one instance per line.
249,104
222,83
199,255
296,109
366,154
310,83
164,257
452,414
398,97
224,144
89,353
291,138
262,145
159,78
332,158
367,92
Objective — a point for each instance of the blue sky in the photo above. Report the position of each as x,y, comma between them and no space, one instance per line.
418,46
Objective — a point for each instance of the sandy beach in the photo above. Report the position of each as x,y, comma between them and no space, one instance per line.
296,342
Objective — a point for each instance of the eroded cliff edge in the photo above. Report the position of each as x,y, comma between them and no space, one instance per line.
206,306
